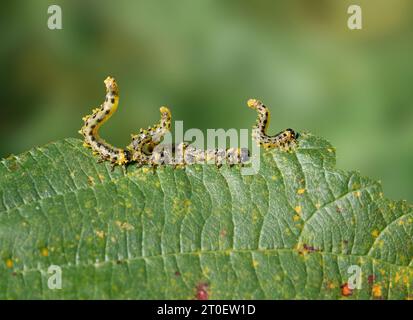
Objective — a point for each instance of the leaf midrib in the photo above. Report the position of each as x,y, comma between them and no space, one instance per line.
206,252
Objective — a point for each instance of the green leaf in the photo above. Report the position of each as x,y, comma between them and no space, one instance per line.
289,232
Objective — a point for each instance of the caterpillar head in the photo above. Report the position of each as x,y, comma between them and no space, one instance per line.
291,134
111,85
254,103
165,112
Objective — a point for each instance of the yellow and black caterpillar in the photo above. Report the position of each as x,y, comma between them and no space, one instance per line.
145,148
284,139
94,121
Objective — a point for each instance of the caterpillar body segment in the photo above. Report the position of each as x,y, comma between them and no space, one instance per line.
283,140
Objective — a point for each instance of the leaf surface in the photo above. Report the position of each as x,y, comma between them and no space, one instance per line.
289,232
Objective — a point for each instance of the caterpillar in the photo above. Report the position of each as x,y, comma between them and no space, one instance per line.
146,140
185,154
146,149
93,122
142,143
283,140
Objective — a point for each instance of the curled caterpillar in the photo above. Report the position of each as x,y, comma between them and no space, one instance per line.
146,140
94,121
283,140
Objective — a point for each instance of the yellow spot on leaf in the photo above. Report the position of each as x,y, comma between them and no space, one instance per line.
375,233
357,194
255,263
300,191
397,277
91,180
406,281
297,209
100,234
124,225
296,217
331,285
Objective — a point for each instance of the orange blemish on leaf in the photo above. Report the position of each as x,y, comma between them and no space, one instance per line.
376,290
345,290
9,263
44,252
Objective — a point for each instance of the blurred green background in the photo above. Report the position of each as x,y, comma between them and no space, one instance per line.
204,59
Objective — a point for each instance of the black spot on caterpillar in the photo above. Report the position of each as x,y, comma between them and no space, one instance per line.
283,140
